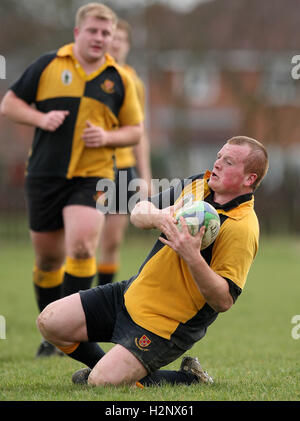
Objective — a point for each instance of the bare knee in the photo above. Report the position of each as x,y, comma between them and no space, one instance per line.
118,367
113,233
98,379
83,249
104,378
48,263
49,249
46,323
112,245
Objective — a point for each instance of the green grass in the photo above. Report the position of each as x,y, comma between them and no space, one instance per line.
249,350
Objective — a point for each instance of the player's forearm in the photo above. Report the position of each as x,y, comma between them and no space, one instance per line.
212,286
145,215
125,136
19,111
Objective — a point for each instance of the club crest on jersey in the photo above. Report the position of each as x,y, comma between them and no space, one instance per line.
66,77
143,343
108,86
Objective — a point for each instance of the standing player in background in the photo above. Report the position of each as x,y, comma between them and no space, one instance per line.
130,162
85,106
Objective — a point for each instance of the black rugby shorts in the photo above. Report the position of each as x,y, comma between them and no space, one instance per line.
107,320
47,196
123,177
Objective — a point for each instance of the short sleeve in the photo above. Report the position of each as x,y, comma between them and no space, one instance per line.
26,86
234,249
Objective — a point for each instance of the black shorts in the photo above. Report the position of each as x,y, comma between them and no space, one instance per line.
123,177
47,196
107,320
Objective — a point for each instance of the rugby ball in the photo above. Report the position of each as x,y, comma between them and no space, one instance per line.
197,214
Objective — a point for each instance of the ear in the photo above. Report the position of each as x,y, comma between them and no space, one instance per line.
250,179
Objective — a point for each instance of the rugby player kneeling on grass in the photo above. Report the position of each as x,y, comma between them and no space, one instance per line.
157,315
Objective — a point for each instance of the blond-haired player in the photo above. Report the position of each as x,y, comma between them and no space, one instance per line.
160,313
85,105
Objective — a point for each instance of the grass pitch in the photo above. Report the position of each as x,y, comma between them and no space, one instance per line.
249,350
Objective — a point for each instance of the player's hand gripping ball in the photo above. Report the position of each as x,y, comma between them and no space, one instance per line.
197,214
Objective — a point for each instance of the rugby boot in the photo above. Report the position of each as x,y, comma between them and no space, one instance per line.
48,350
81,376
192,365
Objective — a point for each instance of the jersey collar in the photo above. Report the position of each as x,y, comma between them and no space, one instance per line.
236,208
67,51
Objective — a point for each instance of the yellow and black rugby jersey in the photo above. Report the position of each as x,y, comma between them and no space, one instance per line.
106,98
124,157
164,298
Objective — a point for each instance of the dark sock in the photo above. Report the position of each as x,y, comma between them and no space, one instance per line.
79,274
45,296
105,278
107,272
160,377
47,286
74,284
88,353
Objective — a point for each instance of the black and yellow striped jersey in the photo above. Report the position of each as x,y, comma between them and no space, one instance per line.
106,98
164,298
125,157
